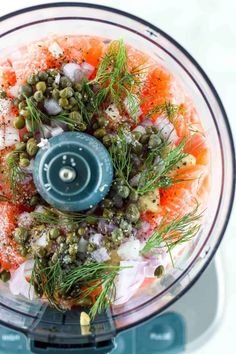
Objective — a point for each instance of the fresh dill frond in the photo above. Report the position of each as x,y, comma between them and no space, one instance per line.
56,217
120,152
87,102
37,117
115,80
15,173
180,230
170,110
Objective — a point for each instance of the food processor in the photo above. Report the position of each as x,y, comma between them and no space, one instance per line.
162,317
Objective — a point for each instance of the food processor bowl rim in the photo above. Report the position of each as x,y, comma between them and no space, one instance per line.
223,112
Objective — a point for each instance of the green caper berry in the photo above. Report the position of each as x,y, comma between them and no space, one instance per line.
61,239
144,138
82,126
81,231
16,102
52,72
107,203
3,94
133,196
5,276
107,214
39,251
43,75
50,81
154,141
54,233
149,130
63,102
123,191
100,133
34,200
26,90
132,213
67,92
72,101
78,87
41,86
56,94
65,82
71,238
75,116
91,247
25,113
78,96
27,136
117,235
32,79
107,140
159,271
126,227
23,250
137,135
20,146
31,147
21,105
102,122
20,235
38,96
19,122
73,249
24,155
137,147
24,162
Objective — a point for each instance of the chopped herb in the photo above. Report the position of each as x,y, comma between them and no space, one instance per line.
15,173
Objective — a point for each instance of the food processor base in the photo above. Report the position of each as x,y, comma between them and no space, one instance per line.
183,327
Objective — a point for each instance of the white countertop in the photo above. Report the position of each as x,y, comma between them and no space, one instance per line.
207,29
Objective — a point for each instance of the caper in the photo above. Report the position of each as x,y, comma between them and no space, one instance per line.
25,113
91,247
82,126
41,86
75,116
117,235
43,75
38,96
133,196
52,72
27,136
73,102
61,239
39,251
144,138
95,126
102,122
34,200
23,250
24,162
137,135
55,257
55,94
26,90
67,92
100,133
50,82
126,227
132,213
16,102
159,271
54,233
19,122
5,276
137,147
3,94
32,79
63,102
20,146
78,87
123,191
24,155
78,96
108,214
65,82
21,105
20,235
71,237
154,141
81,231
73,249
149,130
107,140
31,147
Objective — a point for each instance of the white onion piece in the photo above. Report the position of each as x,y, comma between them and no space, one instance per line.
83,244
87,68
129,250
147,123
167,129
11,136
44,144
55,50
139,129
41,241
129,280
56,131
52,107
25,219
2,135
112,111
39,209
96,239
57,79
18,285
101,255
73,71
14,90
46,130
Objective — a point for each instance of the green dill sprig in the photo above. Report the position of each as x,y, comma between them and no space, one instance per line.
170,110
182,229
115,80
87,102
120,152
15,173
37,117
56,217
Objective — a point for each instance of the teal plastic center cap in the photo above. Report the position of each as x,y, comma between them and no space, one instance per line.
73,172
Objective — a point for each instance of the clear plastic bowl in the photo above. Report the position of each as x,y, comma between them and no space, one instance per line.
27,25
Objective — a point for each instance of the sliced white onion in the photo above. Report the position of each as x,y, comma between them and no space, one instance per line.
167,129
73,71
41,241
101,255
57,79
52,107
129,280
55,50
14,90
56,131
112,111
18,285
25,219
129,250
139,129
96,239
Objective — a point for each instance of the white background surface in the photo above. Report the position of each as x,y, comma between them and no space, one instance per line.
207,29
